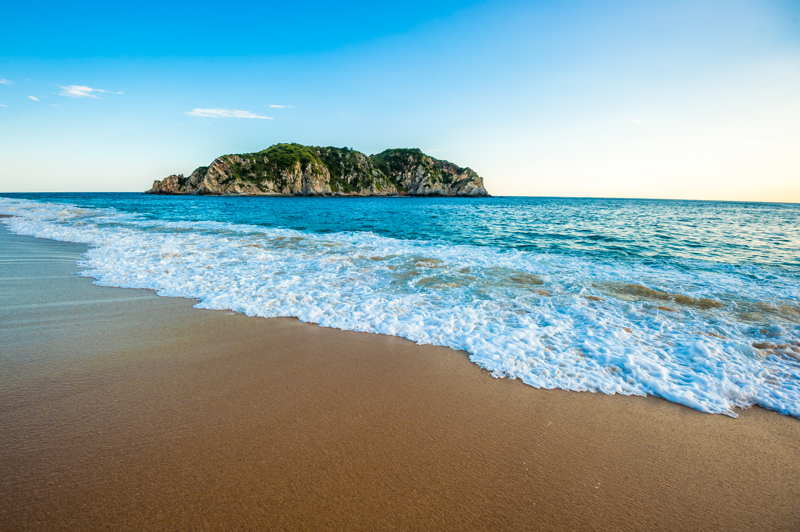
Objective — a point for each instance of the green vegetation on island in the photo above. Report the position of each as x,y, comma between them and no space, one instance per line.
290,169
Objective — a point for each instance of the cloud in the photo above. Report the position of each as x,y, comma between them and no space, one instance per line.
226,113
3,105
82,91
33,98
4,81
280,106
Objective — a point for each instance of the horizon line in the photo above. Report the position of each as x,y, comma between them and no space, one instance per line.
320,196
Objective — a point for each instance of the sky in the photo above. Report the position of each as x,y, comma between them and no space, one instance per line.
690,99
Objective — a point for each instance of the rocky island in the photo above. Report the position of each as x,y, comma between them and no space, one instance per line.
298,170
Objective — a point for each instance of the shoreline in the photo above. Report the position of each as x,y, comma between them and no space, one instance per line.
126,409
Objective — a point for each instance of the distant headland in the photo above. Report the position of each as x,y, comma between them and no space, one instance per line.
298,170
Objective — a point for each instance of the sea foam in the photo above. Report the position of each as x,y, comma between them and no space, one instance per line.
711,339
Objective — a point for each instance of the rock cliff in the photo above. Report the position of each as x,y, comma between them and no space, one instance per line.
297,170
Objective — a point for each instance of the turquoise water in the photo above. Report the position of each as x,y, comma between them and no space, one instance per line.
695,302
649,230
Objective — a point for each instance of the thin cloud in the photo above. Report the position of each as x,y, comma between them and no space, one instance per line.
82,91
33,98
3,105
226,113
280,106
4,81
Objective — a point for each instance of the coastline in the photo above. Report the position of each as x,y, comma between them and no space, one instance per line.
127,410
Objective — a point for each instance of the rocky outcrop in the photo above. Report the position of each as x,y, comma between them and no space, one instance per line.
297,170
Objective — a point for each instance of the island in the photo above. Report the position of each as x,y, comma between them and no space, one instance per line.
297,170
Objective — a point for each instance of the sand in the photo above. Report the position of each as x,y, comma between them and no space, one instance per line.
123,410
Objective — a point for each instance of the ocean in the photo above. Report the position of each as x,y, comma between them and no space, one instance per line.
695,302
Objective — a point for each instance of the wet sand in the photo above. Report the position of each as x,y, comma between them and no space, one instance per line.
123,410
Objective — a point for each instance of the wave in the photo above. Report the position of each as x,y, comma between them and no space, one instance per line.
715,339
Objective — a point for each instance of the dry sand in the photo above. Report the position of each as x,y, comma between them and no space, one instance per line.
123,410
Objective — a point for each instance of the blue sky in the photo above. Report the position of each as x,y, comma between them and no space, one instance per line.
686,99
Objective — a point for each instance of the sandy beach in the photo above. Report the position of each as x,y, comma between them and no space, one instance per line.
124,410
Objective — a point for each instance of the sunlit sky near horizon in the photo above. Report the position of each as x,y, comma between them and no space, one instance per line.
689,99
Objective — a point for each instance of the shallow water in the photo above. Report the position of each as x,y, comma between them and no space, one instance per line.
695,302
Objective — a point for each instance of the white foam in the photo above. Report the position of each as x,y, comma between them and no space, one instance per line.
473,298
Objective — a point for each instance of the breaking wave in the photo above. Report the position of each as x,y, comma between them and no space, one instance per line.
715,338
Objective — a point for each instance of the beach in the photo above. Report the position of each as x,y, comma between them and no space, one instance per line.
121,409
